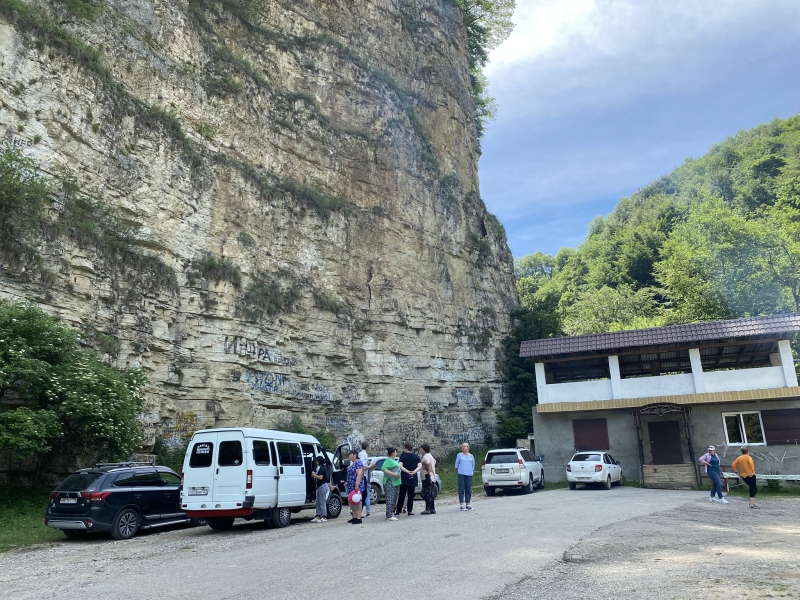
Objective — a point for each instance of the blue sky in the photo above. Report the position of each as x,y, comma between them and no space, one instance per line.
599,97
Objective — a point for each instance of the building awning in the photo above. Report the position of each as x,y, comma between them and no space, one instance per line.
784,393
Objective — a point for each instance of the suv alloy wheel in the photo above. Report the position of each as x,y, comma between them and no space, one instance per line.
125,525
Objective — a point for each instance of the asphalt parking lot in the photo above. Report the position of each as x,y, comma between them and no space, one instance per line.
622,543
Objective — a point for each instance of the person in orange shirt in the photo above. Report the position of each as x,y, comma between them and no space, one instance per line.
744,468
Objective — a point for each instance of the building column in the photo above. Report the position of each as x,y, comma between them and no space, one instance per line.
697,371
616,378
541,383
787,362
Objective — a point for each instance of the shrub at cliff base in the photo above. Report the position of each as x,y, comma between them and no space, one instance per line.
59,400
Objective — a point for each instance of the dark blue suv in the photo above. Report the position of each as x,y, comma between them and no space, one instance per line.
120,498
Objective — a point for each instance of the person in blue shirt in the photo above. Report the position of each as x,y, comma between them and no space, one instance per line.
465,466
711,461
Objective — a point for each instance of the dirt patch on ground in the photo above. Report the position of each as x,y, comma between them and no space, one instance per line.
701,550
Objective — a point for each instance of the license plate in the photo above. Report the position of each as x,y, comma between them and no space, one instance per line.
501,470
69,501
584,478
198,491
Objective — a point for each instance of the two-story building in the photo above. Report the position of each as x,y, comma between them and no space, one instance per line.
656,398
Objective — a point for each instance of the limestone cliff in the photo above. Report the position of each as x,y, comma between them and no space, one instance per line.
303,181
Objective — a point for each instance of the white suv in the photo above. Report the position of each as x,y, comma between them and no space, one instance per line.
511,468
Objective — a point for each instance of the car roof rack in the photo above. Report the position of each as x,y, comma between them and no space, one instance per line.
150,463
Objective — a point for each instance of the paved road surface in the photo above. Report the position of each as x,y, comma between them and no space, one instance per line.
450,555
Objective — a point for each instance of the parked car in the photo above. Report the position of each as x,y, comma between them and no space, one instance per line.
594,467
120,498
511,468
251,474
376,493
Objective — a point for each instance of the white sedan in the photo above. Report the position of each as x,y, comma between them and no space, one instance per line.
594,467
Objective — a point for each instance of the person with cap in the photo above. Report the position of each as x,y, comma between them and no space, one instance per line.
391,481
321,479
355,486
746,469
714,472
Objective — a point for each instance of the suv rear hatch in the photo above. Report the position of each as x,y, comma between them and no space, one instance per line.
73,497
502,466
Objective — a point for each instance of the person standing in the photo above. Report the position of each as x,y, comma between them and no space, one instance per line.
321,478
410,465
746,469
428,480
363,456
355,486
465,467
714,472
391,481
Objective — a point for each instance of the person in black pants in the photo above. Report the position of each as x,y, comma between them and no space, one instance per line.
410,465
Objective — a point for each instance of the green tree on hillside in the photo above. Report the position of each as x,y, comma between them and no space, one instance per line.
717,238
56,399
488,24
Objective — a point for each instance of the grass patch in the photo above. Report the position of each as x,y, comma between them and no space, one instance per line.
267,296
331,304
22,518
217,268
481,248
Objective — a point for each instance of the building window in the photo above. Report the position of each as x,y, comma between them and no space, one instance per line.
590,434
743,428
781,426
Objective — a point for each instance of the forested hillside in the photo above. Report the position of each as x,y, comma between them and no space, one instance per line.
717,238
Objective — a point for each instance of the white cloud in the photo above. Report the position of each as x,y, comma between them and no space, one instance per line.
567,54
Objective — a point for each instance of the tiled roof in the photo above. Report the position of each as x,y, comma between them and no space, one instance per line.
657,336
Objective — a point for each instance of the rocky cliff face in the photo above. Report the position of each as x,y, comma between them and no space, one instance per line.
303,181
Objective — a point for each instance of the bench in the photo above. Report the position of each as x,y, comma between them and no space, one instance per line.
728,478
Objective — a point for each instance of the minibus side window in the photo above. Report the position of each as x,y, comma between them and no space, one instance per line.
201,454
261,453
290,454
230,453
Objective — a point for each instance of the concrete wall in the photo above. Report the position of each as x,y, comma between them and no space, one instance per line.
734,380
663,385
554,438
744,379
707,428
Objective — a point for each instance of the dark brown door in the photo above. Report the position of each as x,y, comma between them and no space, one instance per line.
665,442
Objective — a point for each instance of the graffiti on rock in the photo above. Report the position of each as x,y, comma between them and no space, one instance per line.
277,383
176,431
255,349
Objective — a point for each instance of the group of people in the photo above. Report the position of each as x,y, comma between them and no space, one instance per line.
743,466
399,483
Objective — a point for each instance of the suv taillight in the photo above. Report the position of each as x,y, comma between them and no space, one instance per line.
521,462
95,496
598,468
249,485
180,488
53,495
483,464
569,469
